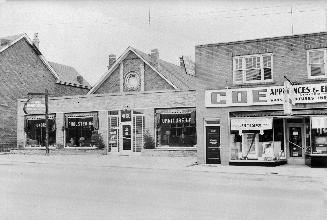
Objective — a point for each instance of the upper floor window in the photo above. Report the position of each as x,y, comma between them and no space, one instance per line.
252,68
316,63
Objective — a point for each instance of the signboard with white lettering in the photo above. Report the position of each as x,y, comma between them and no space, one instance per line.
251,124
126,115
273,95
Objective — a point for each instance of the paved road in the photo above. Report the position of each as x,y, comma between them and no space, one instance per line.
58,191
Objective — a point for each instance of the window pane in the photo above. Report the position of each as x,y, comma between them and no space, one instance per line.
238,76
267,73
267,61
253,74
316,57
317,70
238,63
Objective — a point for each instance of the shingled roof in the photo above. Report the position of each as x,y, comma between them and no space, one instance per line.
68,75
65,75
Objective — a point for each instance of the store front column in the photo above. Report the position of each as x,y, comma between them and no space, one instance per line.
60,124
224,140
103,126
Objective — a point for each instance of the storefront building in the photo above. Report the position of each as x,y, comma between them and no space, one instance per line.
268,101
140,104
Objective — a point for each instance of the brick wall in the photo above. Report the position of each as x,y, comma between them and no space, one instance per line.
22,71
132,63
214,62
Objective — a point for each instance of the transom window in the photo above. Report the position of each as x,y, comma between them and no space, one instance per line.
316,63
252,68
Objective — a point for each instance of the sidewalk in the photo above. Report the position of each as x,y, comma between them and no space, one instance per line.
166,163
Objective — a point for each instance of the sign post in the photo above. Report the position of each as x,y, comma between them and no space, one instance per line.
38,106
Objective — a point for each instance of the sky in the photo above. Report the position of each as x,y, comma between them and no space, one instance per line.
82,34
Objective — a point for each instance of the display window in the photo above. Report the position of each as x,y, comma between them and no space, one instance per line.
35,128
256,143
176,127
79,129
319,135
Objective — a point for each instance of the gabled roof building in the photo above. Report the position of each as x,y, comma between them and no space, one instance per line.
24,69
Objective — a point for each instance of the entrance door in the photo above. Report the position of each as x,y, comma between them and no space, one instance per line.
127,138
213,144
296,143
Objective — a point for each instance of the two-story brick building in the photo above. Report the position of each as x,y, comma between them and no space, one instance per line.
139,94
24,69
244,115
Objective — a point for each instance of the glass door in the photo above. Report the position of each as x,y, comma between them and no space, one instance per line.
296,140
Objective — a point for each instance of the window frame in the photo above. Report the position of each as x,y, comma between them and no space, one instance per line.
309,65
243,58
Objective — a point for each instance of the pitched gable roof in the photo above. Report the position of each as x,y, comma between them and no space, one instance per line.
68,75
173,74
63,74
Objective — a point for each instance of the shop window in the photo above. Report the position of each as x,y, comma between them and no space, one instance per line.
79,129
252,68
316,63
176,128
319,135
35,128
262,145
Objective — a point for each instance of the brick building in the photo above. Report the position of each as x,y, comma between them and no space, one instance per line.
139,96
24,69
265,101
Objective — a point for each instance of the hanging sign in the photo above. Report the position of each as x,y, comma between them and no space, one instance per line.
251,124
126,115
33,106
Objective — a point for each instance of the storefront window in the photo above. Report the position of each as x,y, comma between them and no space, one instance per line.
79,129
319,135
35,128
257,144
176,128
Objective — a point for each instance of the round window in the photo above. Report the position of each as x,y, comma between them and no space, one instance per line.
132,81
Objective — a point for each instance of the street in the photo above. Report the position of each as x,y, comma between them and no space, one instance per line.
32,190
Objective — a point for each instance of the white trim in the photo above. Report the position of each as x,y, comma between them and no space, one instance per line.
106,75
324,62
244,68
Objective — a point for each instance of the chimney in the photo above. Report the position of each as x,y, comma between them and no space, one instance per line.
181,62
79,79
36,40
155,56
112,60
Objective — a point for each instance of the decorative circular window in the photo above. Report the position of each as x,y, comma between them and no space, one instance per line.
132,81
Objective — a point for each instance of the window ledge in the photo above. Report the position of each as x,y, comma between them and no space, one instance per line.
316,79
254,84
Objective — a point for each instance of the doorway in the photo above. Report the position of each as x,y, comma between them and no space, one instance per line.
212,144
295,143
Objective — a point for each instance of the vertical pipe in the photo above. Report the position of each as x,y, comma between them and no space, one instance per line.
46,123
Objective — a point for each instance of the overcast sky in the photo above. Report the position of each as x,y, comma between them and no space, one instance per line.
83,33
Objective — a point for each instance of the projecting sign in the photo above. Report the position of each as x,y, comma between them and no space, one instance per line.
273,95
34,107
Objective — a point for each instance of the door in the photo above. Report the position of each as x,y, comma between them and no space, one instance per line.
212,144
295,143
127,138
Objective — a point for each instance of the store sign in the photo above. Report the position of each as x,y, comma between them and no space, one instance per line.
80,123
126,115
273,95
251,124
175,120
34,107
